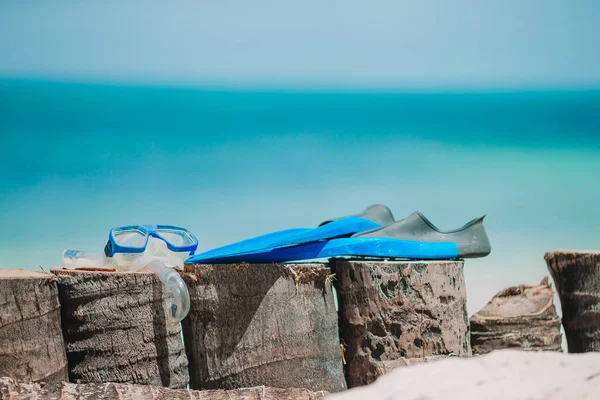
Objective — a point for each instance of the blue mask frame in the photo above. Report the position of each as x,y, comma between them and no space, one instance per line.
113,247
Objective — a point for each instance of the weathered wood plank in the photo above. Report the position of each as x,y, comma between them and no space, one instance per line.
12,390
394,310
262,324
31,342
115,329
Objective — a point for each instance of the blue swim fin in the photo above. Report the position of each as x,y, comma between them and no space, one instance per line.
413,237
374,217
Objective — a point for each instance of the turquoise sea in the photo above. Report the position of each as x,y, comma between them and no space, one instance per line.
78,159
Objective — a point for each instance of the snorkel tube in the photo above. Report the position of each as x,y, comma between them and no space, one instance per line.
157,258
179,305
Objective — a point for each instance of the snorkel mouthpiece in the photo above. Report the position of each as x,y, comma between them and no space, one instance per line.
179,305
157,258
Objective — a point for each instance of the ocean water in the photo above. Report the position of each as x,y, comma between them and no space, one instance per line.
79,159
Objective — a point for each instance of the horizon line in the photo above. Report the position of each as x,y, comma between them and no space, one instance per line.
279,87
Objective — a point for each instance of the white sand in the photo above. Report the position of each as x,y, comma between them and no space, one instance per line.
505,374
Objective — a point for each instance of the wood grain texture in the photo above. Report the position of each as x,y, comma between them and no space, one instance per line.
520,317
576,276
115,329
12,390
393,310
262,324
31,342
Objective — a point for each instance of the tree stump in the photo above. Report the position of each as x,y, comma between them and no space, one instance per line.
522,317
393,310
262,324
115,330
14,390
576,276
31,342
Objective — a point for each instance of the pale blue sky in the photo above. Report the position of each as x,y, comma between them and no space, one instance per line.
383,44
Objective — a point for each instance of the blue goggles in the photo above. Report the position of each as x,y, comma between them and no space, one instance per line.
134,239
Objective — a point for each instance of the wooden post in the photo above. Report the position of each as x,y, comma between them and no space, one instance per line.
262,324
576,276
31,342
11,389
522,317
393,310
115,329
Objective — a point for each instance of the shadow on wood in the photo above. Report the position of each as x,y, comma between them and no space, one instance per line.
262,324
114,326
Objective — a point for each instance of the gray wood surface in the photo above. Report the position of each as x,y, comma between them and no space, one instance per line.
262,324
576,276
12,390
31,342
115,330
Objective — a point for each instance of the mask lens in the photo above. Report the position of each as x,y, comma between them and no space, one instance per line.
176,237
130,237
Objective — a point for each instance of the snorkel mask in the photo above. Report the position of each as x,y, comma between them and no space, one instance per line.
155,248
131,246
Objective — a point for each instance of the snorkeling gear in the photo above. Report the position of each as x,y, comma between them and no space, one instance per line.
375,216
413,237
155,248
134,239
